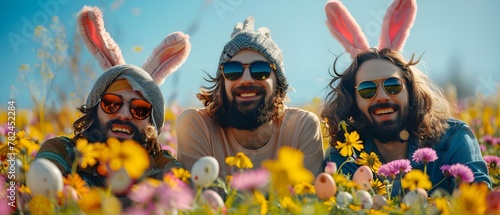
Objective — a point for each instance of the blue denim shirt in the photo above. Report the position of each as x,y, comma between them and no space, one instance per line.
458,145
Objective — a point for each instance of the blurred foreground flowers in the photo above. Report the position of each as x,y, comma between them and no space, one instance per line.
279,186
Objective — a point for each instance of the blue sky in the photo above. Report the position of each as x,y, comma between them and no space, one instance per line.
459,38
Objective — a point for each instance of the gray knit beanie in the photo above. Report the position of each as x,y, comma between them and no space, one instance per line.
140,80
244,37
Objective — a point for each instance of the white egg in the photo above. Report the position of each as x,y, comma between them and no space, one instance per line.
417,196
44,178
344,198
213,199
363,177
205,170
365,199
325,186
379,201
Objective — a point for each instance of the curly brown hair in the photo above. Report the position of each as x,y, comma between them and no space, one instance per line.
428,107
212,96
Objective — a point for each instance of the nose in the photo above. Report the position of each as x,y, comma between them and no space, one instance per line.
381,96
246,78
124,113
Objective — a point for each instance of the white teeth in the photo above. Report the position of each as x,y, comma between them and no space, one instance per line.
247,94
121,129
384,111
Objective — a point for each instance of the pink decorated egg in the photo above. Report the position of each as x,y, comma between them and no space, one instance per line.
363,177
365,199
325,186
213,199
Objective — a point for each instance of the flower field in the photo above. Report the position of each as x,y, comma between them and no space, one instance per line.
277,187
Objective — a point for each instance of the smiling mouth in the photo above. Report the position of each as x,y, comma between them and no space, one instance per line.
384,111
121,128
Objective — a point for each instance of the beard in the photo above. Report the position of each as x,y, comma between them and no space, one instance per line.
97,132
387,130
241,115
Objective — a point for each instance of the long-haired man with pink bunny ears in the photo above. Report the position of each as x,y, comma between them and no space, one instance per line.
244,108
125,101
394,107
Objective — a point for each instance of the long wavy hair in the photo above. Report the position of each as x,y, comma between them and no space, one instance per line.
428,107
87,127
212,96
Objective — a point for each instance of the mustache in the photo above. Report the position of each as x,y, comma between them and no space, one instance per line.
383,105
248,88
134,128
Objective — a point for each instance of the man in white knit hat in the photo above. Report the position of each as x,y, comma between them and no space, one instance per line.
244,108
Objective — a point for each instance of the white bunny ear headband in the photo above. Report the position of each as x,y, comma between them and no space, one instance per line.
396,26
165,59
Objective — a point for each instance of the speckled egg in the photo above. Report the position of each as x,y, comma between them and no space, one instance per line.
365,199
205,170
44,178
325,186
213,199
344,199
363,177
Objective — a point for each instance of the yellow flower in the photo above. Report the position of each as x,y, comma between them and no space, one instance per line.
371,160
76,182
288,203
88,154
98,202
302,188
169,180
261,200
442,205
376,212
469,199
355,207
24,189
351,142
129,155
379,187
181,174
340,179
416,178
41,205
240,160
288,169
329,203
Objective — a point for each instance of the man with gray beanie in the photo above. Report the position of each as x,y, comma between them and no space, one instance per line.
244,108
125,102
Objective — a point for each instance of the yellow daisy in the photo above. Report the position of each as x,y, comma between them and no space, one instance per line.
240,160
469,199
302,188
371,160
88,154
181,174
76,182
41,205
129,155
352,142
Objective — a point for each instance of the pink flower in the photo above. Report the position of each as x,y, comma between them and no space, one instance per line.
251,179
462,172
491,160
394,167
331,167
424,155
446,170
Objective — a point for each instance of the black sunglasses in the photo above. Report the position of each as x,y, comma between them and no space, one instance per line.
368,89
259,70
111,103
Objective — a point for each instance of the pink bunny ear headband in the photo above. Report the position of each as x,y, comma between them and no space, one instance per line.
396,26
165,59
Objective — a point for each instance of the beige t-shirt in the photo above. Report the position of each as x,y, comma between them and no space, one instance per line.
198,135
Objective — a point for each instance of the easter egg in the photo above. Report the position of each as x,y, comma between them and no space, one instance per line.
379,201
417,196
493,202
365,199
363,177
213,199
205,170
69,193
344,199
119,181
325,186
44,178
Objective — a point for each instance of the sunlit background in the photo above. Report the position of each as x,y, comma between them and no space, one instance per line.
458,40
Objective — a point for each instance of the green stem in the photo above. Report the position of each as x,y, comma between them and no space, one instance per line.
438,183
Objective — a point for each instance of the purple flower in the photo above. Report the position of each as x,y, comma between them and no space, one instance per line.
424,155
492,160
331,167
251,179
462,172
394,167
446,170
